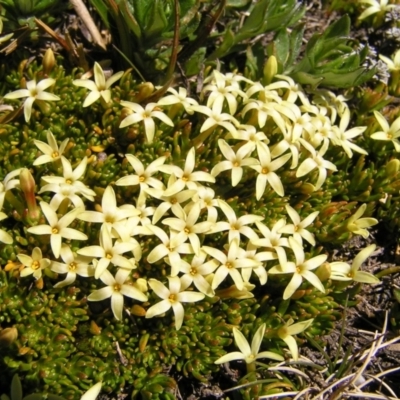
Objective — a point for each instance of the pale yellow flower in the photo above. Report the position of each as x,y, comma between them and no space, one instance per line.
35,264
172,298
73,265
146,115
108,253
51,151
100,87
247,353
287,331
341,271
234,161
4,236
34,91
116,289
58,228
301,269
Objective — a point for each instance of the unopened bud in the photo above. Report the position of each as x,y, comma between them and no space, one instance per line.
27,184
270,70
48,61
144,90
392,167
323,272
8,336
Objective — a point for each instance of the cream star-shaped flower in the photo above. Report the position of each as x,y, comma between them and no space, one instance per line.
111,215
35,264
301,269
34,91
230,264
143,176
236,226
73,265
72,177
266,171
172,298
100,87
4,236
287,331
58,228
375,7
388,133
146,115
51,151
178,97
186,176
393,65
116,289
316,160
108,253
341,271
247,353
297,229
234,161
357,225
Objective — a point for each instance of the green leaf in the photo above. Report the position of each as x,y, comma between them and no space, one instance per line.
227,43
16,388
254,22
102,10
157,20
194,63
396,294
237,3
35,396
282,46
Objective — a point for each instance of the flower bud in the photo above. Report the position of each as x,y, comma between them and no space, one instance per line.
48,62
392,167
8,336
144,90
27,184
323,272
270,70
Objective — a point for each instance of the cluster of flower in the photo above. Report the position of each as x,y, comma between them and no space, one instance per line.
177,206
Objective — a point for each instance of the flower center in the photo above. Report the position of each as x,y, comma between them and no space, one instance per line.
69,181
185,178
54,231
55,154
35,265
187,231
193,271
173,200
172,298
109,256
229,265
265,170
142,178
236,164
117,287
72,266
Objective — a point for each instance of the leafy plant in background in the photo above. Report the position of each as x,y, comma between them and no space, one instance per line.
143,31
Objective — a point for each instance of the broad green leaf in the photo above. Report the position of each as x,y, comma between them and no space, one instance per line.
396,294
194,63
101,8
237,3
296,41
227,42
36,396
282,46
157,21
254,22
16,388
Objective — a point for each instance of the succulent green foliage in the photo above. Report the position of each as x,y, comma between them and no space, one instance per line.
86,342
16,393
265,16
331,58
